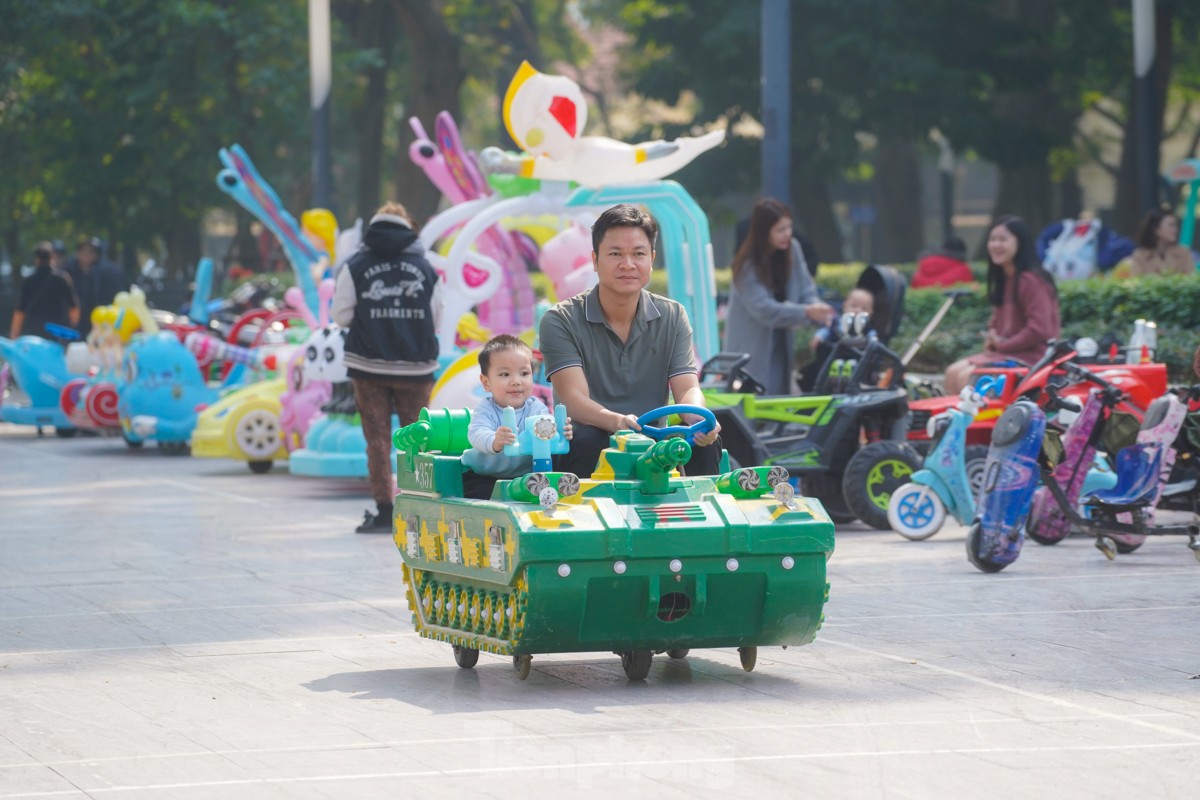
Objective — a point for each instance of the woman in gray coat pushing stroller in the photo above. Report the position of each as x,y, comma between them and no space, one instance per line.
772,293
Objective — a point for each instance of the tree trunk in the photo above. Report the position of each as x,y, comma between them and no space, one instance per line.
435,75
814,216
518,42
898,188
378,31
183,248
1025,192
1127,209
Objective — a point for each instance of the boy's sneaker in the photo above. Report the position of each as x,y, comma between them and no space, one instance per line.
375,523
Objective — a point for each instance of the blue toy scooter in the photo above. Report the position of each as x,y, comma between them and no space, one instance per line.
950,477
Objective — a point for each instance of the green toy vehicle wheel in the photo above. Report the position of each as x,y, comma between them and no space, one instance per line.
872,474
521,665
678,652
749,657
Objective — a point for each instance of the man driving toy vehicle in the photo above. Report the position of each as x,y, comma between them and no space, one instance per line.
615,351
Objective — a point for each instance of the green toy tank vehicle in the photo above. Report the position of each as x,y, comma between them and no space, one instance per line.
635,559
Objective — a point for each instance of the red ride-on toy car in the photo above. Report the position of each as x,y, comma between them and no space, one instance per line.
1141,383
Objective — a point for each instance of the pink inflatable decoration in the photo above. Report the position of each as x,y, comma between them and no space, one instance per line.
566,259
452,169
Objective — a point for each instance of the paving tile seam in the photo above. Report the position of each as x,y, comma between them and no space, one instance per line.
377,604
186,645
1017,691
608,733
264,577
1003,582
1048,612
1121,657
622,765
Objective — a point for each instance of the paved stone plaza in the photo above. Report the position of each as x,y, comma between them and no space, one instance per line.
173,627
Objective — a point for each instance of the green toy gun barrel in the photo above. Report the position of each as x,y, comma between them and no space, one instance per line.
443,430
654,466
412,437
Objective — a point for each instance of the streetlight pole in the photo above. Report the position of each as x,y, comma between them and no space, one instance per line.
320,59
776,99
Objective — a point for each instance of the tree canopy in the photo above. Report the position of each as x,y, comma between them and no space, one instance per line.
112,111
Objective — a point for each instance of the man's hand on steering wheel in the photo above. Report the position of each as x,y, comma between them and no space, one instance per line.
702,439
627,422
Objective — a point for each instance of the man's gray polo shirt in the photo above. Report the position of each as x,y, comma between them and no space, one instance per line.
629,377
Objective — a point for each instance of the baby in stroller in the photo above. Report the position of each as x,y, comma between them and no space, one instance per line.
871,312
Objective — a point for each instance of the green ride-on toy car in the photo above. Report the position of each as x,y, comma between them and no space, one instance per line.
634,559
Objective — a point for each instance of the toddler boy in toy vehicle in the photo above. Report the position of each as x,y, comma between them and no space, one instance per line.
506,371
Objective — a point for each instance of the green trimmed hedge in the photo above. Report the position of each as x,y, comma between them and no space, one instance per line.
1091,307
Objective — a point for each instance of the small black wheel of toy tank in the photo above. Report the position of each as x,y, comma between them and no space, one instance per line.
636,664
872,474
749,657
974,535
1125,548
65,433
260,467
132,444
465,657
678,652
521,666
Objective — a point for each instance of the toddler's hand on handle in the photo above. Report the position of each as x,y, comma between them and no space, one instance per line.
568,430
504,436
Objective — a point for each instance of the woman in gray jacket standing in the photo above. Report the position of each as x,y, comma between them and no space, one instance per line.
772,292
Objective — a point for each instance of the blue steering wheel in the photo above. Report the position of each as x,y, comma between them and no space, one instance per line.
689,431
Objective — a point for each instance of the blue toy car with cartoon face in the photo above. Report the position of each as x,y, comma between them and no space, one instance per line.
162,393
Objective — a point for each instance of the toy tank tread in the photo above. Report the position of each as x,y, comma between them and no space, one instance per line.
633,559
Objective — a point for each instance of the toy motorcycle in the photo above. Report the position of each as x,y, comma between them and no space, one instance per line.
949,479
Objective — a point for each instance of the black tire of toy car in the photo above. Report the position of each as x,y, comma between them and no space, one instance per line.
828,489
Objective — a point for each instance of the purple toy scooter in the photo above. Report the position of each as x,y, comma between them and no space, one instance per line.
1047,523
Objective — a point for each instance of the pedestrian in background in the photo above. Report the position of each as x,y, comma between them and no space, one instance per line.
390,298
46,296
96,280
1158,249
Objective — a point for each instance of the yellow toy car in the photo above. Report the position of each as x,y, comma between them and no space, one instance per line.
244,425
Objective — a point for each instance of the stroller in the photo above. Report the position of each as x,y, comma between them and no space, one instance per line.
887,286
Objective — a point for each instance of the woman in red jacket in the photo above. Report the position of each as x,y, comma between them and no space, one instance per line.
1024,304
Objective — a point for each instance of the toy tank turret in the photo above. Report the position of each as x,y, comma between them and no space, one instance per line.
634,559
